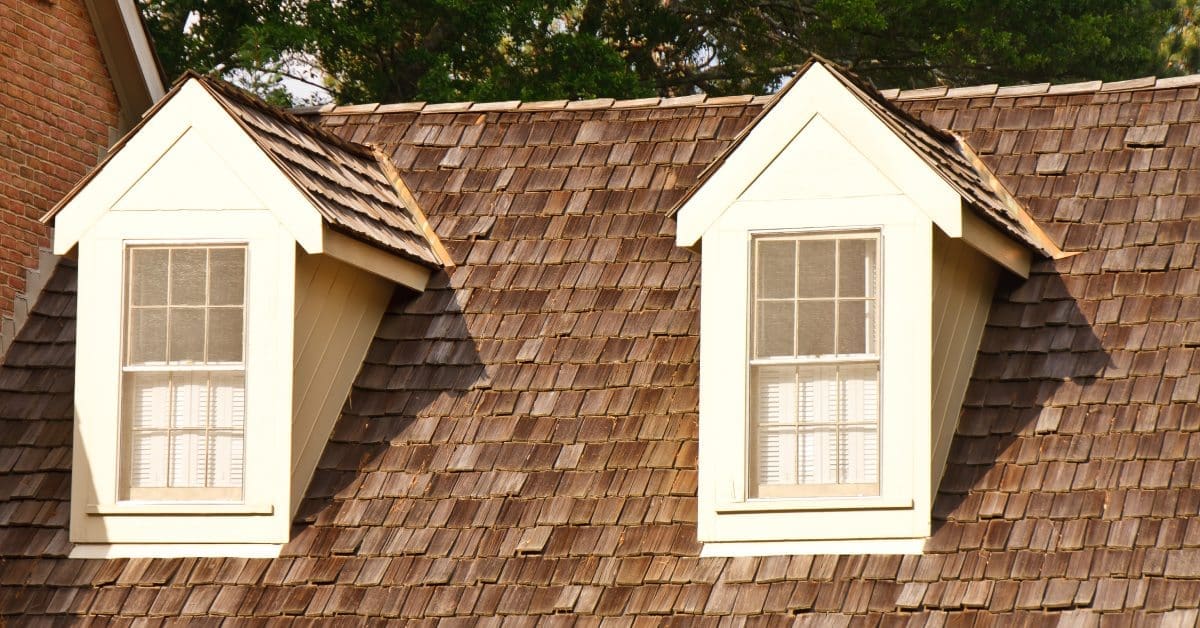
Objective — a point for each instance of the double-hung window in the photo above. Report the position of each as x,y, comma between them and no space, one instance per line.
814,365
184,373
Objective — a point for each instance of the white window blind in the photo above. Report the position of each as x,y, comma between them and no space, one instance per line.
184,373
815,365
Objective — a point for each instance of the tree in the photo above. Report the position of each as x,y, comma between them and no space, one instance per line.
441,50
1180,47
232,38
924,42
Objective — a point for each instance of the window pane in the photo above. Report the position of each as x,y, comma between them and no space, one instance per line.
188,268
188,459
775,327
225,334
814,264
814,328
818,455
856,268
225,452
816,394
229,400
189,404
147,335
228,275
856,327
776,269
147,397
148,276
148,459
858,416
777,455
775,396
187,335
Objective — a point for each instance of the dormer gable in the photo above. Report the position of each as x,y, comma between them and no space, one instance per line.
234,264
827,136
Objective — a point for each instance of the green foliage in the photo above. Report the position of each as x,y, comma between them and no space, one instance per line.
444,50
1180,48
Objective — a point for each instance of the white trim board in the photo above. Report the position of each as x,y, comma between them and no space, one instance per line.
175,550
804,548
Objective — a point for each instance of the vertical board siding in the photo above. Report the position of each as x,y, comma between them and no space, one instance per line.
963,284
338,309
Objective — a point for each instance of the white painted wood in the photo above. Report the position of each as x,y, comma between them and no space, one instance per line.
175,550
179,508
822,161
819,92
191,110
1003,250
819,163
374,260
271,286
964,282
797,548
725,512
338,309
192,175
190,159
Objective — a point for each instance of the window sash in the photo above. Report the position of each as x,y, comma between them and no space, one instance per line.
185,445
830,454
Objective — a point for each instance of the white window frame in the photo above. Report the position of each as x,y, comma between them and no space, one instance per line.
99,514
730,520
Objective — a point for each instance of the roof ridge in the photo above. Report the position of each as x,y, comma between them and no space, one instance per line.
919,93
691,100
1041,89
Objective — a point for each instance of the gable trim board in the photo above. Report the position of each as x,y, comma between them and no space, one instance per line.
129,56
945,187
198,115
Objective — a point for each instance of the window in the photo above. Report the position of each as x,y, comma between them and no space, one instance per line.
814,366
184,373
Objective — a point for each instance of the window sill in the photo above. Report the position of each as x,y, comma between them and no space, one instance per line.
175,550
913,546
814,503
178,508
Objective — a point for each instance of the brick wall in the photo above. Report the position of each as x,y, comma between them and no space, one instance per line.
57,106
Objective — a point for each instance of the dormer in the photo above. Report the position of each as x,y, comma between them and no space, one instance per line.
849,256
234,264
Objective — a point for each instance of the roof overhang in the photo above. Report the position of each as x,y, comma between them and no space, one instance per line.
129,56
935,170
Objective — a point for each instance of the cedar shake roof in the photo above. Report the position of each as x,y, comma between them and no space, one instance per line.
521,442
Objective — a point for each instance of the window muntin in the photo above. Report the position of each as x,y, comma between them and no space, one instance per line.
184,373
814,367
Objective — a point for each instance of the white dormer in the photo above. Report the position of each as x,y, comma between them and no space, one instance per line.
848,260
234,265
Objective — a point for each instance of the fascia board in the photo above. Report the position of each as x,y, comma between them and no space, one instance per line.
819,92
191,109
1013,256
128,54
375,260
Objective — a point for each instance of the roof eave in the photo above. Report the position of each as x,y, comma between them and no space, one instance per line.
128,51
